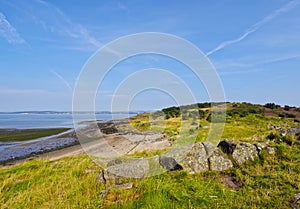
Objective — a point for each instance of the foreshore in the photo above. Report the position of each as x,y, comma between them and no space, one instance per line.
19,149
117,137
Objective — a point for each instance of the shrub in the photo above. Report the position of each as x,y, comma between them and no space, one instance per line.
271,105
171,112
290,115
286,107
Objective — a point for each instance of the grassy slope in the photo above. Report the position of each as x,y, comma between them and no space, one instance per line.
70,182
27,134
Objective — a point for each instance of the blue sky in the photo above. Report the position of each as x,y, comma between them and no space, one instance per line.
254,46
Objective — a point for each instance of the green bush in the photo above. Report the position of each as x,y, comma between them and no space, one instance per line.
271,105
171,112
286,107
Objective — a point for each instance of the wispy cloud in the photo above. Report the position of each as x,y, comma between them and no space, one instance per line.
8,32
285,8
63,25
245,63
60,77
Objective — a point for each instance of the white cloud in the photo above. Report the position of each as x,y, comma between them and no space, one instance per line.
285,8
61,24
247,62
8,32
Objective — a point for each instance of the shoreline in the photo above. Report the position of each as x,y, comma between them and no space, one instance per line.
117,137
20,150
66,151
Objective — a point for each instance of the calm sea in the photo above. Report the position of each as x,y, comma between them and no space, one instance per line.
48,120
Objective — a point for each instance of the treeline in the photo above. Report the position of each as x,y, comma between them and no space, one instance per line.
233,109
186,111
244,109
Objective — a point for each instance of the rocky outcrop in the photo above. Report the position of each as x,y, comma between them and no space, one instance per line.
204,156
169,163
264,146
194,158
200,157
240,151
219,162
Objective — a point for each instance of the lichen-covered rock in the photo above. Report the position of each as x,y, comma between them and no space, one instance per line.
263,146
240,151
114,162
136,168
293,131
192,158
209,148
219,162
169,163
179,153
200,157
196,159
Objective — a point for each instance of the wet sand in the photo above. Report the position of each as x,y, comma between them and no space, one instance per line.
110,145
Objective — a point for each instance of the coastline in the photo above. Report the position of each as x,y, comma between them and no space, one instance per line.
20,151
116,136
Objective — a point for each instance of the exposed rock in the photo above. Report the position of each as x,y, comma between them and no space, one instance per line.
151,145
107,127
295,201
169,163
260,146
179,153
209,148
101,177
219,162
293,131
228,146
136,168
117,171
240,151
114,162
196,159
200,157
271,150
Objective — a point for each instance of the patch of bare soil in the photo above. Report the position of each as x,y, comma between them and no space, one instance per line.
231,182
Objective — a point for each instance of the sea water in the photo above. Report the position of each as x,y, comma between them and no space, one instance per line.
27,120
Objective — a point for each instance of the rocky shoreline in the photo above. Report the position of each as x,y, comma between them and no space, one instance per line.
33,148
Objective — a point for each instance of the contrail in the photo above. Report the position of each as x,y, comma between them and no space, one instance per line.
62,79
256,26
74,30
8,32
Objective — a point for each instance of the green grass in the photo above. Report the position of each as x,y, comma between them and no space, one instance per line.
43,184
268,182
27,134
